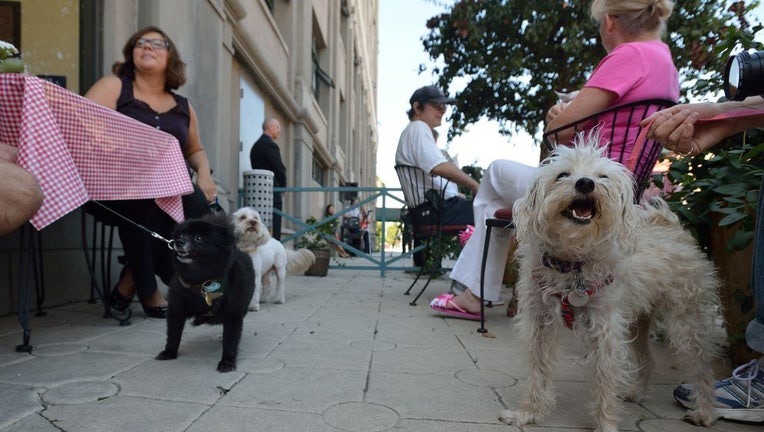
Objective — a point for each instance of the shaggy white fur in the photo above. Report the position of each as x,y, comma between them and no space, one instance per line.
587,250
269,257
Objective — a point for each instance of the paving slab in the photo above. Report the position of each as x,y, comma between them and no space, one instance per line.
346,352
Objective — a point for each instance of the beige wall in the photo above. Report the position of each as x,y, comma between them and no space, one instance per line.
221,40
50,38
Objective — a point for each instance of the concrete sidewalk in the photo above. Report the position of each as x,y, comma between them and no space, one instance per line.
345,353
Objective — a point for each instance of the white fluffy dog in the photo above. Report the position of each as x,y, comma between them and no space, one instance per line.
592,260
269,257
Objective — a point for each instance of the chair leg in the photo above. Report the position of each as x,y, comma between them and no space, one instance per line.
37,266
438,260
486,244
427,251
90,261
421,270
25,269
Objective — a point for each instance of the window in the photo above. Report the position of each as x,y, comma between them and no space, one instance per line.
319,75
10,22
319,173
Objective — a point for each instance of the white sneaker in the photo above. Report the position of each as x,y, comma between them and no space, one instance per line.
739,397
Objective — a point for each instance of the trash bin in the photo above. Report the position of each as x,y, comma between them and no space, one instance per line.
258,194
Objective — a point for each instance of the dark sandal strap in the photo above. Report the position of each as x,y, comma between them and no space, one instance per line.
119,302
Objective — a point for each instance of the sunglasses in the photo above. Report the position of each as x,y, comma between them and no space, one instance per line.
438,106
156,44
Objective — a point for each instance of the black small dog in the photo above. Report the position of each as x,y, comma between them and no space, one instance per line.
214,283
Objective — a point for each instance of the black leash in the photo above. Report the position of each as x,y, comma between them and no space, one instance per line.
153,234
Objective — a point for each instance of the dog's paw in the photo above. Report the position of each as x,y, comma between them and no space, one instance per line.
518,418
166,355
254,307
635,396
696,418
226,366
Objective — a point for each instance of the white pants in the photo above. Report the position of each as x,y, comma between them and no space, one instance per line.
504,182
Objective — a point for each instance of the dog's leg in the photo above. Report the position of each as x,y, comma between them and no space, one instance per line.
689,334
640,350
280,296
539,332
254,305
232,328
175,324
607,332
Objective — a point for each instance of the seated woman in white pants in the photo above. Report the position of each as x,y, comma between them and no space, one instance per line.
504,181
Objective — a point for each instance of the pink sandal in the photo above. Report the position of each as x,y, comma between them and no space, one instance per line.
445,304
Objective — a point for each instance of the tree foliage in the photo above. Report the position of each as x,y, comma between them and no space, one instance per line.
513,54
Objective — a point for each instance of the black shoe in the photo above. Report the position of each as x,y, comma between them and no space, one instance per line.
119,302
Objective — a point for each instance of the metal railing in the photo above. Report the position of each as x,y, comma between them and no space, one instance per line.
379,198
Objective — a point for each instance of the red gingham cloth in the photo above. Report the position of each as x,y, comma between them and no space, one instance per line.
79,150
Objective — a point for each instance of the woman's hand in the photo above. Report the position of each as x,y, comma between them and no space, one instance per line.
677,128
207,185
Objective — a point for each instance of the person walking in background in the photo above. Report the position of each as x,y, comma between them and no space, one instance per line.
265,155
329,211
142,88
741,396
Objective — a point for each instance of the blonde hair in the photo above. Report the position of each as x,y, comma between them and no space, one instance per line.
635,16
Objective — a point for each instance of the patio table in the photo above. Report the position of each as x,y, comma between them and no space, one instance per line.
79,151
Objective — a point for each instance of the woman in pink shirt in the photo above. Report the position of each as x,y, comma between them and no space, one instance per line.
638,66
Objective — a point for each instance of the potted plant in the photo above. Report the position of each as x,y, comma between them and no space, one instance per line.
9,58
316,241
716,195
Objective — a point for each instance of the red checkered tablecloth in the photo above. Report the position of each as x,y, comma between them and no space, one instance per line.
79,150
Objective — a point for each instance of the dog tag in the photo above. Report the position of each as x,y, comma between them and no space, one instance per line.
578,299
212,286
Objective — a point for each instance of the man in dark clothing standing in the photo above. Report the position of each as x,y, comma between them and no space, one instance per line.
265,155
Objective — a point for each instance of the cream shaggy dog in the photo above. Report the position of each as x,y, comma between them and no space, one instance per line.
591,260
269,257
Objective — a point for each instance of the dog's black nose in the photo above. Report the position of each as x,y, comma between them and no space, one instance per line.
584,185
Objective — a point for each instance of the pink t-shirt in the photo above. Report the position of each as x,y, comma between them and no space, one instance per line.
635,71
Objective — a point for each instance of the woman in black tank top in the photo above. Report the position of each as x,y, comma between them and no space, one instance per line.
143,88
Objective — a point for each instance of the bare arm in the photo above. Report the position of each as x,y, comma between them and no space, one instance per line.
8,152
677,128
198,160
105,91
20,196
589,101
453,173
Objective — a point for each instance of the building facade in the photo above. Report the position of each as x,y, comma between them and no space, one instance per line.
312,64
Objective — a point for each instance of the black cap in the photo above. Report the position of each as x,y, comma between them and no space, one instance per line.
430,94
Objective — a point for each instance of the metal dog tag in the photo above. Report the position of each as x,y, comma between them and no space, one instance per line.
578,299
212,286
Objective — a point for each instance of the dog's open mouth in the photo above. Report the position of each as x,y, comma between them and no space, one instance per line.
581,210
182,255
